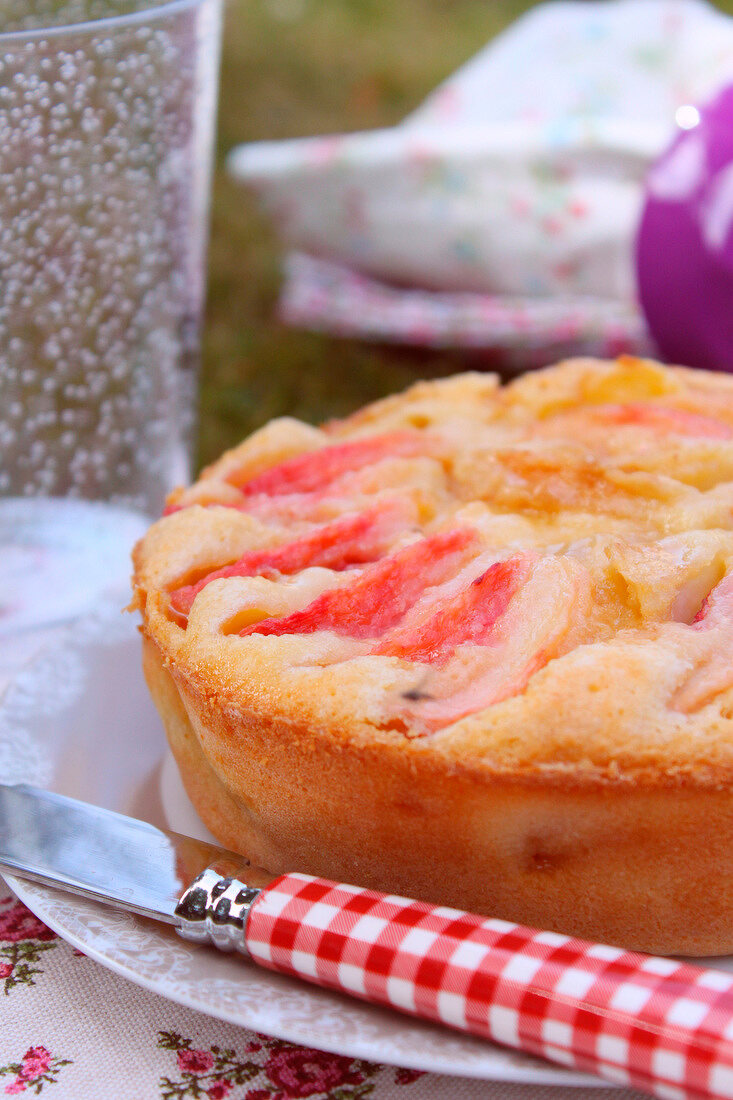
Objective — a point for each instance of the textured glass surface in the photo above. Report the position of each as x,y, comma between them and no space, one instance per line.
105,131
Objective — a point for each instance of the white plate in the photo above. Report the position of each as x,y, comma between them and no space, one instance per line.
79,720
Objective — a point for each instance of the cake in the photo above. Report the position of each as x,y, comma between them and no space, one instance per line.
472,644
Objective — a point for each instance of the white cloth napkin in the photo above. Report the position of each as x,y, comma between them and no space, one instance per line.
520,178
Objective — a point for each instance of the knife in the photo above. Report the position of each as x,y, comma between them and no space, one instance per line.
656,1024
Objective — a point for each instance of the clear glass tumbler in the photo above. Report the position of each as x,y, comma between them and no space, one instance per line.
106,123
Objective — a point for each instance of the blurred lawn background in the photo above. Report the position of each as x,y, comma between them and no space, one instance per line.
293,68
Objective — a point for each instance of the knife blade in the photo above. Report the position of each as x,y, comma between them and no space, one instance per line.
659,1025
100,854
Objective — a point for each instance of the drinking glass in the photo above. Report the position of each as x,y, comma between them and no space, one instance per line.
106,123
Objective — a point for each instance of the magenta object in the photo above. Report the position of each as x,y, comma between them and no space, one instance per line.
684,248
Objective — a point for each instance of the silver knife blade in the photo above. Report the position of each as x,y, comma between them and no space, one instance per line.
99,854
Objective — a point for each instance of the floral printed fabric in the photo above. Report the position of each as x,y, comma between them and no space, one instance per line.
514,334
277,1070
519,181
37,1068
22,940
72,1030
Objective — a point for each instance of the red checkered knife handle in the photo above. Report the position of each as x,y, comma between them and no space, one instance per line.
656,1024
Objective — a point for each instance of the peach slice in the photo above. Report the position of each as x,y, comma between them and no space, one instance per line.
418,479
352,540
655,418
466,618
662,418
293,509
715,672
382,594
316,470
717,608
549,600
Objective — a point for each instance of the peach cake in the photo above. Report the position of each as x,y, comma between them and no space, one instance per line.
472,644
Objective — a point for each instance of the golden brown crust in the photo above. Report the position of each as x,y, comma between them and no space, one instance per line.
594,796
612,864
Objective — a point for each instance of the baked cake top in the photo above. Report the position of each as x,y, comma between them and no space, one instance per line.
534,579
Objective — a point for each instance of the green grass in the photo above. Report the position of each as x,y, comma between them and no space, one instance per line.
298,67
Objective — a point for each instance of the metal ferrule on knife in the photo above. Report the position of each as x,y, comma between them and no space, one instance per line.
215,909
